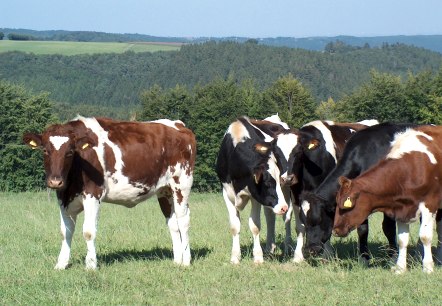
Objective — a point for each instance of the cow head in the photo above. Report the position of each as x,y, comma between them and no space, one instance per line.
317,216
352,208
266,183
285,146
60,147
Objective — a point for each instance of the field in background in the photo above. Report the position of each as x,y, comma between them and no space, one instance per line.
74,48
135,262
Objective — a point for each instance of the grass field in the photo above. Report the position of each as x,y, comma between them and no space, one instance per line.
74,48
135,263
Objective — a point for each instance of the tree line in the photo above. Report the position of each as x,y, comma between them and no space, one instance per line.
116,80
208,110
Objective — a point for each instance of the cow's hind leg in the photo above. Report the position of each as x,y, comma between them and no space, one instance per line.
426,237
439,237
180,194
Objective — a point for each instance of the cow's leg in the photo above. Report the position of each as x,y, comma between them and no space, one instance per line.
404,236
426,237
389,229
91,209
287,217
364,255
300,234
166,203
235,228
270,240
439,237
182,213
68,216
255,228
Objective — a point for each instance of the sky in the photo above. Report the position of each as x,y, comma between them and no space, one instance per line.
223,18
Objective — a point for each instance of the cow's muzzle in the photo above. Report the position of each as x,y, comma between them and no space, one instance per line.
55,183
289,180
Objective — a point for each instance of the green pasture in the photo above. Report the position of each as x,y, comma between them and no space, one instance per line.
74,48
135,262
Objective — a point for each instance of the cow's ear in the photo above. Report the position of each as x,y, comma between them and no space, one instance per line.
32,140
84,144
262,148
313,144
344,182
257,175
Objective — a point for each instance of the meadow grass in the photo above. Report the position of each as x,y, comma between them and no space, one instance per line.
135,262
74,48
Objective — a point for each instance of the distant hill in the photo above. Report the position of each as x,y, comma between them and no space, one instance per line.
430,42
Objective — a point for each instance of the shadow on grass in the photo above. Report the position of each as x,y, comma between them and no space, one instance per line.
155,254
346,255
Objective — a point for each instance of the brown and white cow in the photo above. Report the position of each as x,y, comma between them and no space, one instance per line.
406,185
93,160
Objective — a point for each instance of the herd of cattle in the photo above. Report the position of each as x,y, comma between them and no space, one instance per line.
330,176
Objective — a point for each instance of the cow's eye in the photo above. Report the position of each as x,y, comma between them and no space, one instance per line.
69,153
45,152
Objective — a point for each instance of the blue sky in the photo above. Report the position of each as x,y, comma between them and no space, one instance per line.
249,18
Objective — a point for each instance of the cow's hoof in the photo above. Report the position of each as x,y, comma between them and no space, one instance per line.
234,261
398,270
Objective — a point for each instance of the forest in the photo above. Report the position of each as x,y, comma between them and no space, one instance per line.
207,86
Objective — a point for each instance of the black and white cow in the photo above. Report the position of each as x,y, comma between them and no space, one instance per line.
319,144
248,170
362,151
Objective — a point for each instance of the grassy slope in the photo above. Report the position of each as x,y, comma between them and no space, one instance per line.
134,253
73,48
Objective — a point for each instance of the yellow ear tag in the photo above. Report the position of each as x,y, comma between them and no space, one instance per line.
33,144
311,146
348,203
256,178
85,146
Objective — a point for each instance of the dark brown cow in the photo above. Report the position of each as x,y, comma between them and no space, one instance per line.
93,160
405,186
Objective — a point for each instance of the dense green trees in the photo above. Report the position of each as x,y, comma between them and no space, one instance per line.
20,167
387,97
117,80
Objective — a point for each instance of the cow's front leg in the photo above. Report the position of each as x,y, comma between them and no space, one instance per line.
271,222
255,228
91,208
67,227
300,234
404,236
235,228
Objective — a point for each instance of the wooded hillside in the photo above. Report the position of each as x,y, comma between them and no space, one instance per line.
116,80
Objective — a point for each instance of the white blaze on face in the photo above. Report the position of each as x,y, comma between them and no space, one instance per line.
287,142
326,134
274,172
58,141
408,142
